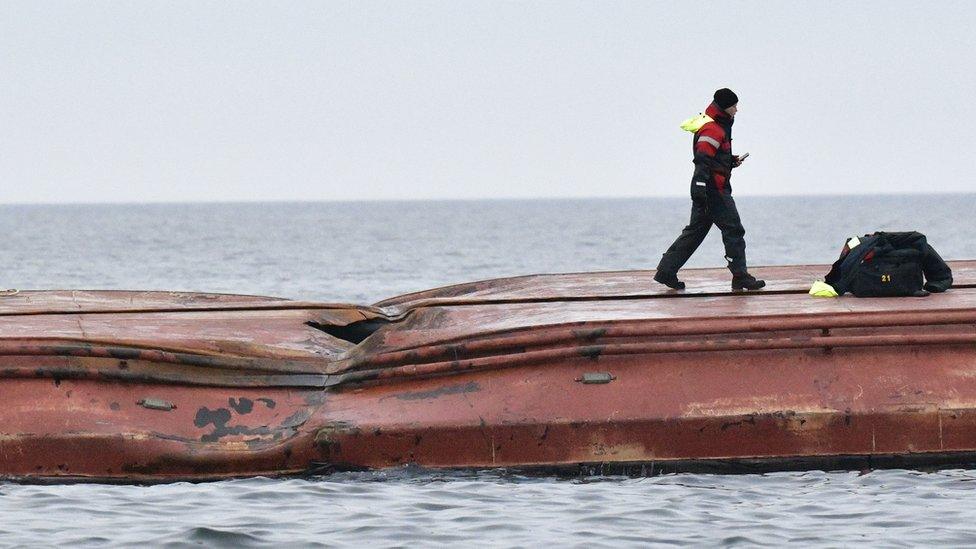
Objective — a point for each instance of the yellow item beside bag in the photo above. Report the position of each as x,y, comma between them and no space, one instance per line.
822,289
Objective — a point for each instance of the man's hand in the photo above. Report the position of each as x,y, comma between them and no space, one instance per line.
737,161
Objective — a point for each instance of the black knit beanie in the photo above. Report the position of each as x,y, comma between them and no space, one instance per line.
725,98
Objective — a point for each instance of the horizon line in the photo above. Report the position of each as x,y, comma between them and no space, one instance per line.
460,199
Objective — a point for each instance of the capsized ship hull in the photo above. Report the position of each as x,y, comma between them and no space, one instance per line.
604,371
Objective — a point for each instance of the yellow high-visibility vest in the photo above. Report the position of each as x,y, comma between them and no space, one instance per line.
695,123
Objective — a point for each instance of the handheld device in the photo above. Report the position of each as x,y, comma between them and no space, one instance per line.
743,157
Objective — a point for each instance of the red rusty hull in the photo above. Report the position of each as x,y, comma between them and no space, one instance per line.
96,430
545,372
231,383
774,405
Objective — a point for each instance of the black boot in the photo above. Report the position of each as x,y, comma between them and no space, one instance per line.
746,281
670,280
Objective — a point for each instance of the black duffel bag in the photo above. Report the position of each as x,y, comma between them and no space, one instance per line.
889,265
889,274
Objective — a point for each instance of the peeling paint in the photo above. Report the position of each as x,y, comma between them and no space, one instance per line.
242,405
470,387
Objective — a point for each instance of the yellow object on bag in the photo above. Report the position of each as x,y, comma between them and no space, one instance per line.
822,289
695,123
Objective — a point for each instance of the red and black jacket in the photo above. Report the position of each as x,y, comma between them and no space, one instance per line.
712,147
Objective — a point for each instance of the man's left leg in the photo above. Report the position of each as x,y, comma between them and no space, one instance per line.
726,217
685,245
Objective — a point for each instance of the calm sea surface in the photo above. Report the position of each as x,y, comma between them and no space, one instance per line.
364,252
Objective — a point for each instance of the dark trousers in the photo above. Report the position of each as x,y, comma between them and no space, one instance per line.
713,209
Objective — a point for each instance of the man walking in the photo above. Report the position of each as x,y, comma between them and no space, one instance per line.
711,197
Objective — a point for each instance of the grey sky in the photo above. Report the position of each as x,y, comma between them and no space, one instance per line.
163,101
